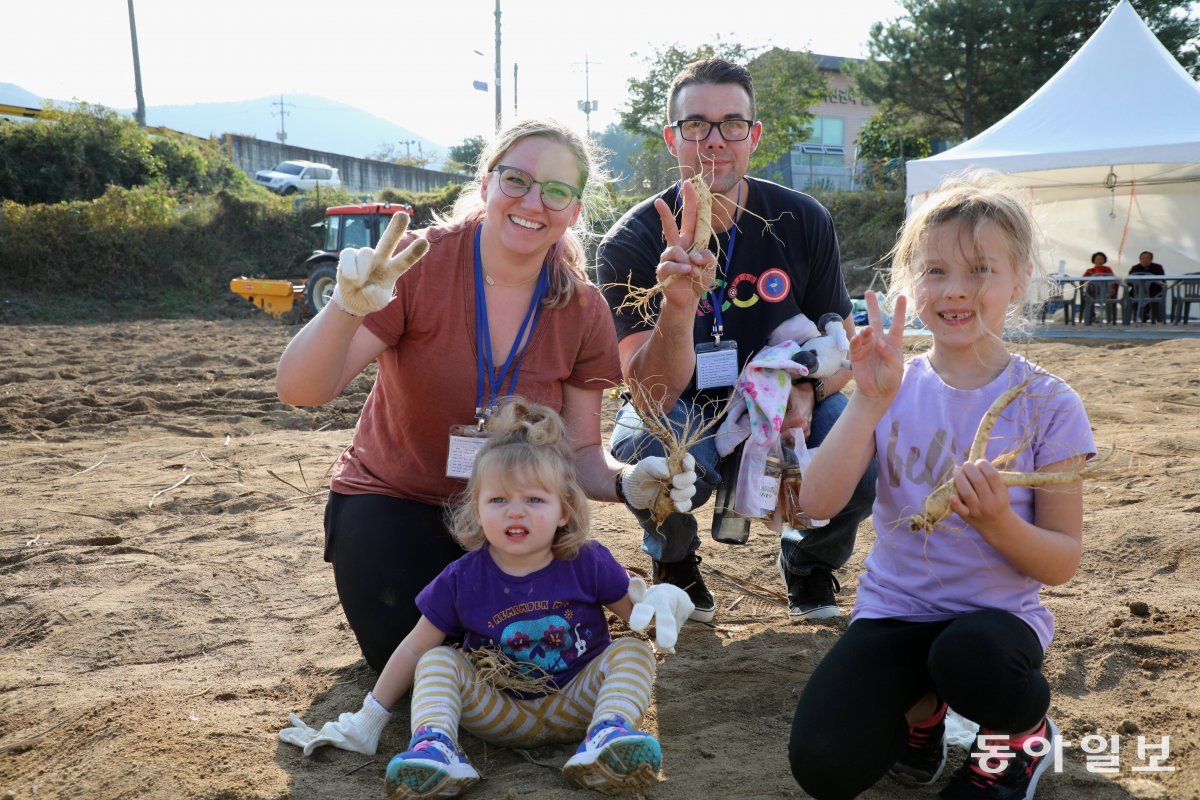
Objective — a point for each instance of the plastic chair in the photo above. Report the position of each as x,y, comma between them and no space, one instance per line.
1105,294
1183,294
1139,300
1061,295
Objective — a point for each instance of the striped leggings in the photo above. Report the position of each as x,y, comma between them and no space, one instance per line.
446,694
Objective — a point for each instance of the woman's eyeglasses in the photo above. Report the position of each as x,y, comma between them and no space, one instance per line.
515,182
697,130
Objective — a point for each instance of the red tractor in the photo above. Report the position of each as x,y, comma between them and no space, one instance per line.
345,226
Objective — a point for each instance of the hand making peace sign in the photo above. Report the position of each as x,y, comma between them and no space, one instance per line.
690,274
876,354
367,276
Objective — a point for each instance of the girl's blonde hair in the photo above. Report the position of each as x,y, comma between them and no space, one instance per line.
568,258
528,446
973,199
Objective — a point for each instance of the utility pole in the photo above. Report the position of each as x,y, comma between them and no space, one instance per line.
282,135
498,107
137,70
408,143
516,114
587,105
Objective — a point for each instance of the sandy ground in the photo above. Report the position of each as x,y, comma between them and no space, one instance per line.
163,602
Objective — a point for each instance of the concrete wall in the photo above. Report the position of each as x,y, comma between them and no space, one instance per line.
359,175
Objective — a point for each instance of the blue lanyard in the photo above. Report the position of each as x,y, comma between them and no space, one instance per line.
486,372
718,294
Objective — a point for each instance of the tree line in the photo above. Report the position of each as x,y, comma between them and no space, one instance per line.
944,70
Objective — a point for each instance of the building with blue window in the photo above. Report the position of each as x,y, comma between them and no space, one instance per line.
827,158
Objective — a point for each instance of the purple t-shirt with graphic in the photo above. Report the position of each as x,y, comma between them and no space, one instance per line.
925,433
553,618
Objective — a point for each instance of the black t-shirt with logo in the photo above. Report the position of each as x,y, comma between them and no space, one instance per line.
785,261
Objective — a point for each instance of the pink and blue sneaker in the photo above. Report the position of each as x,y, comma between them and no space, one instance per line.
614,758
432,766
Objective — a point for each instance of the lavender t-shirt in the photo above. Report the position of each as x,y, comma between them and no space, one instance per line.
927,432
553,618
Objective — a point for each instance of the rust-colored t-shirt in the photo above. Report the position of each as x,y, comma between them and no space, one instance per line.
428,374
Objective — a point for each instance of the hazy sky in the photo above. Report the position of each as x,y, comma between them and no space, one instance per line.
409,62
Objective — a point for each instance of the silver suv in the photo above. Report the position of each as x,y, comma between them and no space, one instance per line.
289,177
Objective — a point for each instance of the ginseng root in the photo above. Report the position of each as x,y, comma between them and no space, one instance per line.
638,299
937,505
675,442
493,668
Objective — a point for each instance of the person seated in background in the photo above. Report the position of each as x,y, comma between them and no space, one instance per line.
1147,266
1100,269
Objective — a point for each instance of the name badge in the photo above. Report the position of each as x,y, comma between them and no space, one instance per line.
716,364
465,442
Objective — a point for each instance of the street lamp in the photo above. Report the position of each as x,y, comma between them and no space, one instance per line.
483,86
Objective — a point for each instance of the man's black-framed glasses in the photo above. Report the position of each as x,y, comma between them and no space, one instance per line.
515,182
697,130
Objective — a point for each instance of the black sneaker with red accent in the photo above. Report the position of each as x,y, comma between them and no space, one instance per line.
996,770
922,763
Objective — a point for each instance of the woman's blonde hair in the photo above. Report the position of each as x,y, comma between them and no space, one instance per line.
568,258
973,199
528,446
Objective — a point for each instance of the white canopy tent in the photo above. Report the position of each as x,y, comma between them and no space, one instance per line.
1108,151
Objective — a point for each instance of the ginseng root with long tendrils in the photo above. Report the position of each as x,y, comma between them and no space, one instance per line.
638,299
937,505
676,441
494,668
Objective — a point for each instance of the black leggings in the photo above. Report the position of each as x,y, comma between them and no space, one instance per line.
384,551
849,726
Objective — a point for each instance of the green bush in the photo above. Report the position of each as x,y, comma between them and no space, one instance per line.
425,204
72,155
146,251
77,153
867,222
195,165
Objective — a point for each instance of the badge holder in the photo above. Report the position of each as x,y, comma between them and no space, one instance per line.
465,442
716,364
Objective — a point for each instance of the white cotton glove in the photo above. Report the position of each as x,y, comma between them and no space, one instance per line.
666,605
357,732
641,481
367,276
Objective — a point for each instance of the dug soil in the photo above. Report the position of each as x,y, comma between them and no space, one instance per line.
164,603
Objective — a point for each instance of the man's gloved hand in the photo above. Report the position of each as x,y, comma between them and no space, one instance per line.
367,276
668,606
641,481
357,732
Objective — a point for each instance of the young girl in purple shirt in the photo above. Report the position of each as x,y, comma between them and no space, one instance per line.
949,618
532,591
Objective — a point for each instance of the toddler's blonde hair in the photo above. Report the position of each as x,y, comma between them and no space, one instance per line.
528,446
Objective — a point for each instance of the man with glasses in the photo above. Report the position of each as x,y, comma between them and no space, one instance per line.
776,256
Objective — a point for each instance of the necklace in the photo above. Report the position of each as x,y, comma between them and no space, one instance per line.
493,282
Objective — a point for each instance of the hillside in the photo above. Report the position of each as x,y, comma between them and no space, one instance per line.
317,123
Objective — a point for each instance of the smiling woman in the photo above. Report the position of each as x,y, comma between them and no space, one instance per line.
497,296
